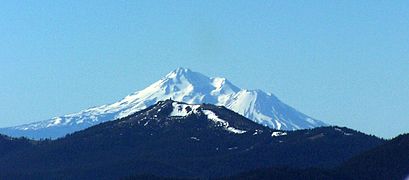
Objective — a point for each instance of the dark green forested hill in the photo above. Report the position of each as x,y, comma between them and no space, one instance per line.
388,161
208,142
384,162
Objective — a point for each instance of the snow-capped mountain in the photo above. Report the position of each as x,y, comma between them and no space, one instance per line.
181,85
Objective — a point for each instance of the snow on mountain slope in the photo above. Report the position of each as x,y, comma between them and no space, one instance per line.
266,109
181,85
183,110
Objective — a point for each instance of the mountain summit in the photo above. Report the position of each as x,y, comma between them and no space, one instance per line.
181,85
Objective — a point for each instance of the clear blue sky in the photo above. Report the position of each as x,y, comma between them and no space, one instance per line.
346,63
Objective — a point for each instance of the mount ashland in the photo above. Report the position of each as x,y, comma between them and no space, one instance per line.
181,85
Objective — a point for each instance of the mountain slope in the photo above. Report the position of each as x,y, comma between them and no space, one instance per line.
9,144
174,139
388,161
181,85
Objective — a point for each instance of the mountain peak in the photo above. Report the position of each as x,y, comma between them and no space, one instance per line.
185,76
180,71
168,112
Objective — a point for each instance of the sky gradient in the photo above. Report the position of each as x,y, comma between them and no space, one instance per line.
345,63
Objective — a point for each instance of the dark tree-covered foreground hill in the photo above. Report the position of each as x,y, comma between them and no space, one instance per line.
388,161
173,139
385,162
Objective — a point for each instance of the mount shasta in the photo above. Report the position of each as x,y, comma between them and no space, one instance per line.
181,85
